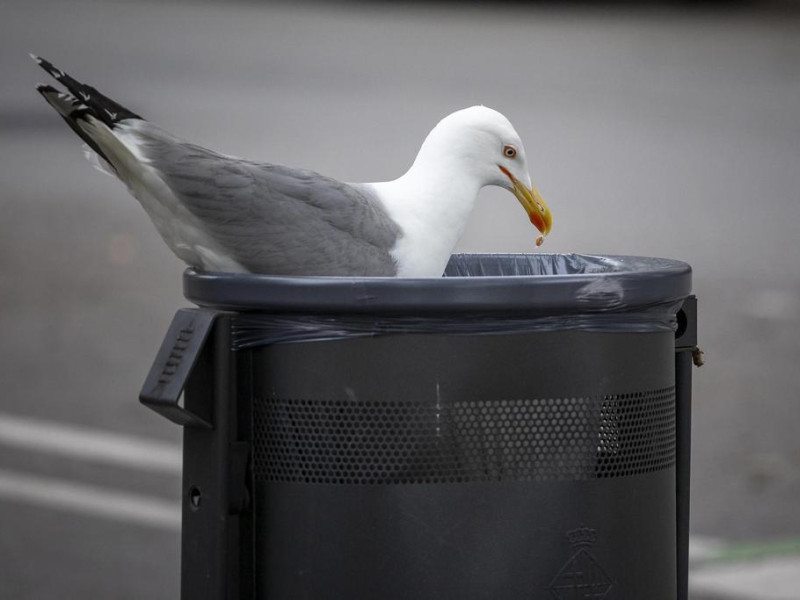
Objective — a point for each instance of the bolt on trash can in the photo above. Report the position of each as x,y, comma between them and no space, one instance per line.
515,430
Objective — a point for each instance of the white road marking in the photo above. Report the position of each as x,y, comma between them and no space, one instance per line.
90,501
89,444
704,548
774,579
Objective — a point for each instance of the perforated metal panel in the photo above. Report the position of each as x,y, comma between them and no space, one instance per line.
373,443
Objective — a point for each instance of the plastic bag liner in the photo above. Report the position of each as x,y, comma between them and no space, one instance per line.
480,294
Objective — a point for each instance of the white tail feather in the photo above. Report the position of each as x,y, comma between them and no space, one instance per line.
97,161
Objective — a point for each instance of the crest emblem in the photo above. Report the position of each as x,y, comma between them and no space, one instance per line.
581,577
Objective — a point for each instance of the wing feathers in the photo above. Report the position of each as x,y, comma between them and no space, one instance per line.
102,108
71,109
218,212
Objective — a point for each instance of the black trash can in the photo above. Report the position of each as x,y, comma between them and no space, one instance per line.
518,429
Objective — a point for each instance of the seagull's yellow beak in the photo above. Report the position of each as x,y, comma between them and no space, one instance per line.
533,203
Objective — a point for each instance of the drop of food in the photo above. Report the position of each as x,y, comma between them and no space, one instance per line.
540,240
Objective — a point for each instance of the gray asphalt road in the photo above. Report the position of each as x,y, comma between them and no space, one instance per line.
651,132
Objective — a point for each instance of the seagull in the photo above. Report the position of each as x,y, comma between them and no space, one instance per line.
221,213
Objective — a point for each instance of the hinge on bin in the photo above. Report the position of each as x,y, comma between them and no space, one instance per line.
686,335
178,354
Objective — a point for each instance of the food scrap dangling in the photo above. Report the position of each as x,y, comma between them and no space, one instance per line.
540,239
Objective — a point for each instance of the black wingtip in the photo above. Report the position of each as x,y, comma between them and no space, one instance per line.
54,71
65,104
72,111
103,108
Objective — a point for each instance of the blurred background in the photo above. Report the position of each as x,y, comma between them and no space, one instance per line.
651,129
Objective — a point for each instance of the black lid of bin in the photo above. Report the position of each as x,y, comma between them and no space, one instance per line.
538,284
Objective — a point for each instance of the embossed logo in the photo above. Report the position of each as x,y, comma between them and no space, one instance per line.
581,577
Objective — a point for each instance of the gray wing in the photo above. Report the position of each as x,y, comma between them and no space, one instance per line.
277,220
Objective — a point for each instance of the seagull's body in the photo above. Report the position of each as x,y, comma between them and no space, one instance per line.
220,213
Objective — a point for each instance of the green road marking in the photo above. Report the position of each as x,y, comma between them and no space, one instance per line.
758,550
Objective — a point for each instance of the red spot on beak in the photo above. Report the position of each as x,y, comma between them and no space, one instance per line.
537,221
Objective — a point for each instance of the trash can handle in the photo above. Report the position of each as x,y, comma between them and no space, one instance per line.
182,346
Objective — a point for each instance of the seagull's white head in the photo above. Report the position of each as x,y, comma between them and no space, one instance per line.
483,144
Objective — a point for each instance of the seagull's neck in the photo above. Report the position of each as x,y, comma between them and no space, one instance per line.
431,203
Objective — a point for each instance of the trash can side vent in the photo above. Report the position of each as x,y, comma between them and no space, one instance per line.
340,442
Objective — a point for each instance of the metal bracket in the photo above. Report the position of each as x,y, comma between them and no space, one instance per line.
685,346
179,352
686,335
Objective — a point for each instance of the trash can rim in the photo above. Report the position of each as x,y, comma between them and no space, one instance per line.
629,282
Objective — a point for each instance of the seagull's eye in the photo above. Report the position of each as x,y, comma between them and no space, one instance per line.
509,151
